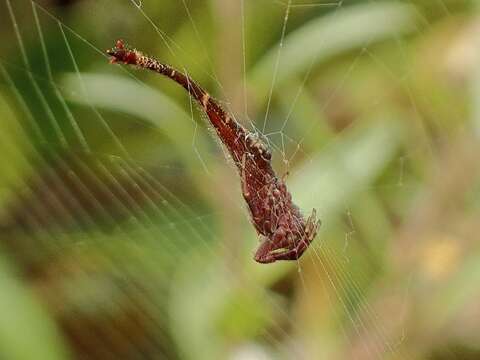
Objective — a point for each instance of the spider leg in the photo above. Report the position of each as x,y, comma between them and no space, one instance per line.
282,249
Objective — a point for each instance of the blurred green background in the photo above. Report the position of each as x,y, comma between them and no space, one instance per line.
123,233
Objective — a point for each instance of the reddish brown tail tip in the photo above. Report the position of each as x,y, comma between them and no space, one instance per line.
121,53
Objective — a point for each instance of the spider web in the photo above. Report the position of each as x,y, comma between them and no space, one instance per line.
112,228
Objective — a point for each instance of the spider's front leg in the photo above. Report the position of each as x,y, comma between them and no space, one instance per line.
309,233
271,248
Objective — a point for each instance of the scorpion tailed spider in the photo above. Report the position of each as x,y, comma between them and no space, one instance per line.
284,232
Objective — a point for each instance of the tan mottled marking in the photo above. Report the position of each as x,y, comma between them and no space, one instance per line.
246,193
205,99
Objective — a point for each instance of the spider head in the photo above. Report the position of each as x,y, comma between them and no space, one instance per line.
286,244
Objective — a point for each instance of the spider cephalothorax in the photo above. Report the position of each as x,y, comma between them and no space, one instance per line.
285,233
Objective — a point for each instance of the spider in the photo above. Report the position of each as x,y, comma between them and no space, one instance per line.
284,232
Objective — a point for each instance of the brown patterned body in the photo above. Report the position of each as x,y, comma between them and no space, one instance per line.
286,234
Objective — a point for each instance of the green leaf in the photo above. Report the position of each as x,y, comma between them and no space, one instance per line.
128,96
26,330
328,36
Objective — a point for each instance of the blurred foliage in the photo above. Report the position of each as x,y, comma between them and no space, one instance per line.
123,233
